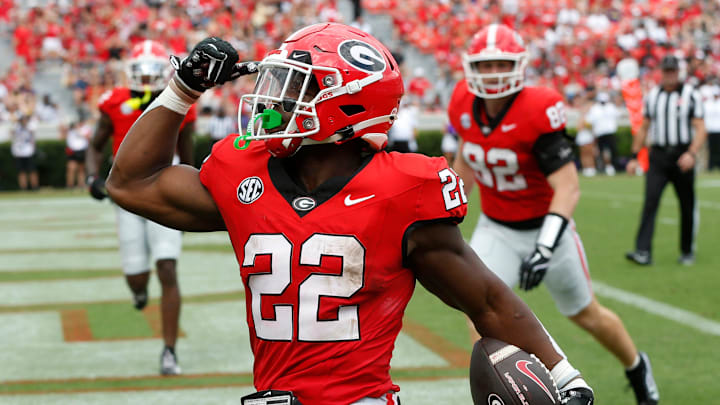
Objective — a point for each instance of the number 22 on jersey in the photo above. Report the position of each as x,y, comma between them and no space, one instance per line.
453,190
316,285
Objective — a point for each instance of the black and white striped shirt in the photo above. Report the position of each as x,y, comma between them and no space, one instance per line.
671,114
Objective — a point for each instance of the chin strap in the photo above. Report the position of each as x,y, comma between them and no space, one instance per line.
376,140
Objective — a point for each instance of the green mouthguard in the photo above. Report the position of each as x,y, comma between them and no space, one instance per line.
270,119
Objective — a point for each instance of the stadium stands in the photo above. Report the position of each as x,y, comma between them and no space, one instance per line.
75,48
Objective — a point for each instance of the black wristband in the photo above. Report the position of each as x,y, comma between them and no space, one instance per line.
634,155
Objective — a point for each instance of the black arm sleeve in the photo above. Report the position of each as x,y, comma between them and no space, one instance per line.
552,151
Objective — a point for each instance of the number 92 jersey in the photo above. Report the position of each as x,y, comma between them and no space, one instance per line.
512,154
325,283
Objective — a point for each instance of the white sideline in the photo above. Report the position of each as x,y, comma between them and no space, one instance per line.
658,308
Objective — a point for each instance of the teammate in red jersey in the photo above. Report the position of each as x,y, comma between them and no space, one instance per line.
141,241
513,145
330,231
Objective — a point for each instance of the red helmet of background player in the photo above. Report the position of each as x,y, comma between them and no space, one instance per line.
495,42
148,66
330,83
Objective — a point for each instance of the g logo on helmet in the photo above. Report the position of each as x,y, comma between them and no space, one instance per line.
493,399
362,56
250,190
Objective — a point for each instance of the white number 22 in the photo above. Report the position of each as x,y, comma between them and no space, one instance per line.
343,285
451,195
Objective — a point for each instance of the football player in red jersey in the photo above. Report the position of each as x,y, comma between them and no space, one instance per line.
330,232
141,241
513,145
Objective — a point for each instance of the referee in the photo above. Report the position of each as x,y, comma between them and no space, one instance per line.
673,120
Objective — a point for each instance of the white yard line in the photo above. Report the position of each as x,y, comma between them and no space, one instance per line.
658,308
638,198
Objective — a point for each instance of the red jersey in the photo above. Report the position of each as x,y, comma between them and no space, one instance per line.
123,116
512,186
325,284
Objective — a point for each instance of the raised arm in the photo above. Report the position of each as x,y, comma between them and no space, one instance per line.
142,179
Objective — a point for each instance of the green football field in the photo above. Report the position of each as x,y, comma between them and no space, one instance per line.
69,333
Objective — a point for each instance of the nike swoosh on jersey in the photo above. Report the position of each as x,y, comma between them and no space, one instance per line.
506,128
349,201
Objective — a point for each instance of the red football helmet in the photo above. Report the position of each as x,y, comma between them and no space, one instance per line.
495,42
148,66
326,83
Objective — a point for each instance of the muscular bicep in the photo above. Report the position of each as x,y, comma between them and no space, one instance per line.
143,180
175,198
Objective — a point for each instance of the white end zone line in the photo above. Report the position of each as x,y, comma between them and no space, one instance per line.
658,308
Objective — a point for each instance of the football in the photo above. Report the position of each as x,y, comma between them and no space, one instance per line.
503,374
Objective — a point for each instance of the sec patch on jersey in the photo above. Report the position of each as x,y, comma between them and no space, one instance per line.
503,374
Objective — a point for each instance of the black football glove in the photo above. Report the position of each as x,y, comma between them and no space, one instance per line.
211,62
577,396
96,185
534,267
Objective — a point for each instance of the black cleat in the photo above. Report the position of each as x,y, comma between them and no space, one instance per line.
140,300
640,257
643,383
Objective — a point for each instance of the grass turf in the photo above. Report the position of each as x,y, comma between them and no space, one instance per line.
684,359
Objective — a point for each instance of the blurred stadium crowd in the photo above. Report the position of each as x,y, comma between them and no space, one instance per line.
574,45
